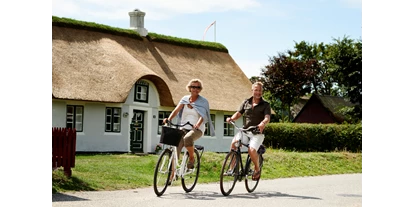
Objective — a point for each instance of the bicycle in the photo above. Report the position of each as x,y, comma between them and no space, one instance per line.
162,174
233,168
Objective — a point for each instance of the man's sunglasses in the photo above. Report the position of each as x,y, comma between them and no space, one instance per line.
195,87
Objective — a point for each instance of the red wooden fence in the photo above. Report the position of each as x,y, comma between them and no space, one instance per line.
63,149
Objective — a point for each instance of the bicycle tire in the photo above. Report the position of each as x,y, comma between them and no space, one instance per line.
251,184
162,172
190,177
228,177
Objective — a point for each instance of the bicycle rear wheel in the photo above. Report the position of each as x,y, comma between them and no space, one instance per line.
229,173
249,182
162,172
190,177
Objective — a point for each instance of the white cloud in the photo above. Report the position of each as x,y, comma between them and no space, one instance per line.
155,9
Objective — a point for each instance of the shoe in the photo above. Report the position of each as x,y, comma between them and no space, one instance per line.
229,172
190,165
256,175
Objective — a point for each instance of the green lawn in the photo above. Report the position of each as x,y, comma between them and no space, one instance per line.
128,171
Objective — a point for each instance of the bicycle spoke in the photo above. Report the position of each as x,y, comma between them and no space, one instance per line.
249,182
190,177
228,174
162,172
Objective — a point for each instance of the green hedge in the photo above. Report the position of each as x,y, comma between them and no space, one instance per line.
314,137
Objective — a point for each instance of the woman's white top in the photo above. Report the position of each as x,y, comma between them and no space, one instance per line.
192,116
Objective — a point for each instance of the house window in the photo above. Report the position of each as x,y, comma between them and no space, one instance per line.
212,119
161,116
228,128
141,91
113,119
74,117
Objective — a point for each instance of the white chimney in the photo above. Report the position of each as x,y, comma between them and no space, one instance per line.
137,22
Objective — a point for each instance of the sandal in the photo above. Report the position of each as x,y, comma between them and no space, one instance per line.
190,165
256,175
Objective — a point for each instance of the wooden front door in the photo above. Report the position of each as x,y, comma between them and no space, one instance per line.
137,132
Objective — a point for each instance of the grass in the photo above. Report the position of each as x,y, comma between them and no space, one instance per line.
127,171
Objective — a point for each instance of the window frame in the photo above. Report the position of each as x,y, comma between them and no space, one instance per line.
165,114
75,118
112,119
213,120
140,85
227,127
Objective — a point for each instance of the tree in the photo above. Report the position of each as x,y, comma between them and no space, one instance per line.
288,79
322,83
345,57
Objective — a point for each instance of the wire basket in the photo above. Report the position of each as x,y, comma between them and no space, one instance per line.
171,135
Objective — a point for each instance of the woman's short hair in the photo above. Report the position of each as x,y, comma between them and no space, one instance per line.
196,80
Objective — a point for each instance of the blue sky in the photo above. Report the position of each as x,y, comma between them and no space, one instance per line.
252,30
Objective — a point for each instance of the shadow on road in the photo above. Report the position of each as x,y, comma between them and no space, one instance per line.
58,197
209,195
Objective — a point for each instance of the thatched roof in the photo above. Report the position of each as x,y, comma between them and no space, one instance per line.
334,104
102,67
296,108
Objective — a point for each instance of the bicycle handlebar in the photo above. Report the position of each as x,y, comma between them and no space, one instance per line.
179,125
253,129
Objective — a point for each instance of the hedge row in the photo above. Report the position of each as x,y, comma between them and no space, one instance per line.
314,137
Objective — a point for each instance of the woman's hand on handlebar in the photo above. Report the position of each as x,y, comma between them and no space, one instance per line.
228,120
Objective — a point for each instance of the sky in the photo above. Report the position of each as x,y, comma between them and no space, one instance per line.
252,30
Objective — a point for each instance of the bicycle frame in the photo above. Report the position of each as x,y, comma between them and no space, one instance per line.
168,165
232,172
241,173
179,167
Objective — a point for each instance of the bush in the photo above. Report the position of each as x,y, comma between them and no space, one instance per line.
314,137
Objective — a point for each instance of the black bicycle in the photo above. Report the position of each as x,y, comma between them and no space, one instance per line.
233,169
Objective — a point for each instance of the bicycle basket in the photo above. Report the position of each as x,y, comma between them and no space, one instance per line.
171,135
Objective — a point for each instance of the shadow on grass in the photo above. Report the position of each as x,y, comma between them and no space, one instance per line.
60,182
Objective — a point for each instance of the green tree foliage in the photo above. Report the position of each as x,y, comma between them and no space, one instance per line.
287,78
322,82
325,69
345,59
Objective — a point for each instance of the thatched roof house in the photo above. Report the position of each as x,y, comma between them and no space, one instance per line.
97,71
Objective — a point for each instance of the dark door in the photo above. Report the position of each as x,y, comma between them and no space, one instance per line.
137,132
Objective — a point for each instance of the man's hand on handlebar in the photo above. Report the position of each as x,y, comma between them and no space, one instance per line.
261,127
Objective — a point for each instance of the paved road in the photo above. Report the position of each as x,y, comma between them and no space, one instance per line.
319,191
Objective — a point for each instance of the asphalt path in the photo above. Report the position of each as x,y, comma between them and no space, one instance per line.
319,191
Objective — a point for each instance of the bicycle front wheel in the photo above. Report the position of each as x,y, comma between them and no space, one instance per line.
162,172
190,177
229,173
249,182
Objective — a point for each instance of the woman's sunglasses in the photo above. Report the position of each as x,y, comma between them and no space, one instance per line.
195,87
